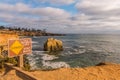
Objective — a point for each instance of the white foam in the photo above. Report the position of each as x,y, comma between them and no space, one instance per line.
67,47
97,49
32,62
45,61
34,42
48,57
33,65
81,46
35,46
75,50
37,52
55,65
70,52
35,37
81,51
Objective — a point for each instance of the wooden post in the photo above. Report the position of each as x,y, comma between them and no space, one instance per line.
21,61
1,49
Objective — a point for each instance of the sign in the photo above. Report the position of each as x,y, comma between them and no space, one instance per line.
18,47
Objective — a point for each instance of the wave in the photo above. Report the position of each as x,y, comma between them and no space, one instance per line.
48,57
55,65
77,51
67,47
36,51
35,42
39,60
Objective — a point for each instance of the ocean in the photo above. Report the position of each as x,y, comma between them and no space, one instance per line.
80,50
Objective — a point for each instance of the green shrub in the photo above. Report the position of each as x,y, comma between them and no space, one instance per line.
26,64
1,65
13,61
26,67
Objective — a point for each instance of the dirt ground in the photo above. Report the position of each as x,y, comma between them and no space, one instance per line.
9,74
100,72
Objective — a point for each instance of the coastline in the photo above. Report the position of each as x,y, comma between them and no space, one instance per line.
107,71
104,71
28,32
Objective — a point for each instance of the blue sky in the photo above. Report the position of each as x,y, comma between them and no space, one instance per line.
62,16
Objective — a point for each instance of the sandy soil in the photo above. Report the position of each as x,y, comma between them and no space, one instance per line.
101,72
11,75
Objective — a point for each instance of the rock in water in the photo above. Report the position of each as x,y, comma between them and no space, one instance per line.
53,45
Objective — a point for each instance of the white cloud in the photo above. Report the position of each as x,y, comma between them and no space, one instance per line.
98,6
38,11
102,14
38,17
93,16
57,2
52,12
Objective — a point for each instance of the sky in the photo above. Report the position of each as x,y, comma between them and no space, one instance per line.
62,16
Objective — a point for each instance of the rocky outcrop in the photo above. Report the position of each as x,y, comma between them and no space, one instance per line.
53,45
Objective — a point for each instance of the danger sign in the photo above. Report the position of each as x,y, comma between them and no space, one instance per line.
19,46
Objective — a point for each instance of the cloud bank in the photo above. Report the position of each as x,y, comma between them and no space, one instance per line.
92,16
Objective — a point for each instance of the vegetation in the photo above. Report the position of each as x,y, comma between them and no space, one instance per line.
26,67
1,64
13,61
26,64
26,31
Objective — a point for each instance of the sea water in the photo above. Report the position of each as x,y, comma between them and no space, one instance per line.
80,50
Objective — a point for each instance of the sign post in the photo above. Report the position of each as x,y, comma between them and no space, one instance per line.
1,49
19,47
21,61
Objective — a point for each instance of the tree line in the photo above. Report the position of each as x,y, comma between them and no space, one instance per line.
23,29
29,31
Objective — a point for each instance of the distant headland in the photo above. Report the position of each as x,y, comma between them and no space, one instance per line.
26,31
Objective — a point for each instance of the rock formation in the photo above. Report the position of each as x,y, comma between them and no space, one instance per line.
53,45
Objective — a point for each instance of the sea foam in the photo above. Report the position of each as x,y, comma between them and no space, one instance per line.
55,65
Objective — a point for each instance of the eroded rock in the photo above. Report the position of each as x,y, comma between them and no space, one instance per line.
53,45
